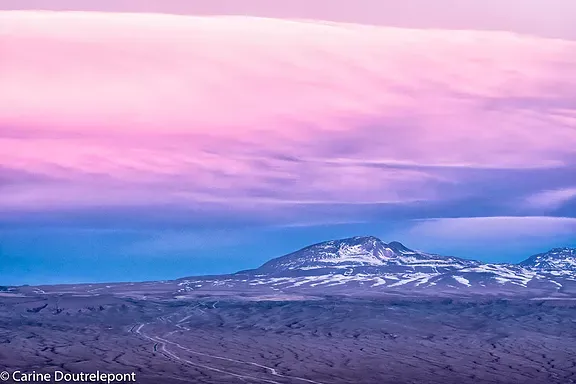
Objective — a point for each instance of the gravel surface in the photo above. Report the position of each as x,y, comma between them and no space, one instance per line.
329,340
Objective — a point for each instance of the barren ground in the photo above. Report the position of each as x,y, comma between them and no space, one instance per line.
328,340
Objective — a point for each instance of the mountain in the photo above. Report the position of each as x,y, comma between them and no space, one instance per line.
359,254
368,264
365,265
557,259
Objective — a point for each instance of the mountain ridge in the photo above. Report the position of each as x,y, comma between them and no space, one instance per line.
556,259
402,249
367,261
363,265
359,251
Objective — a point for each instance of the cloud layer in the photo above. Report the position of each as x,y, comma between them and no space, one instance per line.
494,228
253,115
129,138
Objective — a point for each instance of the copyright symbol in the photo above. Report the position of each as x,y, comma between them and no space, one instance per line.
4,376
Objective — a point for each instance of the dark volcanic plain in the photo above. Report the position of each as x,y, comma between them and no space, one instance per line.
291,339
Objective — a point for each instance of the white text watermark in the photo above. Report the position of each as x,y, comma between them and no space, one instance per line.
67,377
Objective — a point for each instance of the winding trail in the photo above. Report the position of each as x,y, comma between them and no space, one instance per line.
175,357
161,343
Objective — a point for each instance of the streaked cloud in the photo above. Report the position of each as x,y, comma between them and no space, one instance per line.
491,229
538,17
219,142
551,199
248,115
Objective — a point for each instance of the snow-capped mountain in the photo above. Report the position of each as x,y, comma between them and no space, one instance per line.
557,259
361,254
366,264
366,261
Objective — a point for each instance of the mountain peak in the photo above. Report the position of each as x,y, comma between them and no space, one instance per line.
358,240
556,259
562,249
364,238
364,262
358,254
369,239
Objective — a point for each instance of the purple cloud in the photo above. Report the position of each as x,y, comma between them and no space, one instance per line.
244,115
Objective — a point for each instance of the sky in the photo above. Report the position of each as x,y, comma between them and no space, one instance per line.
141,143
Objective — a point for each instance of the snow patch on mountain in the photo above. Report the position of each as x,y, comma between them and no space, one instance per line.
361,251
367,263
557,259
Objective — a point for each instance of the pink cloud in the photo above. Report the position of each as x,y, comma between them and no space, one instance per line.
547,17
129,109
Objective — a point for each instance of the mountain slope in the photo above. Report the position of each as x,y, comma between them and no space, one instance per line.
557,259
365,265
362,253
369,264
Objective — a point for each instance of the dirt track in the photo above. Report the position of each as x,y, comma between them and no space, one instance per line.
321,341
